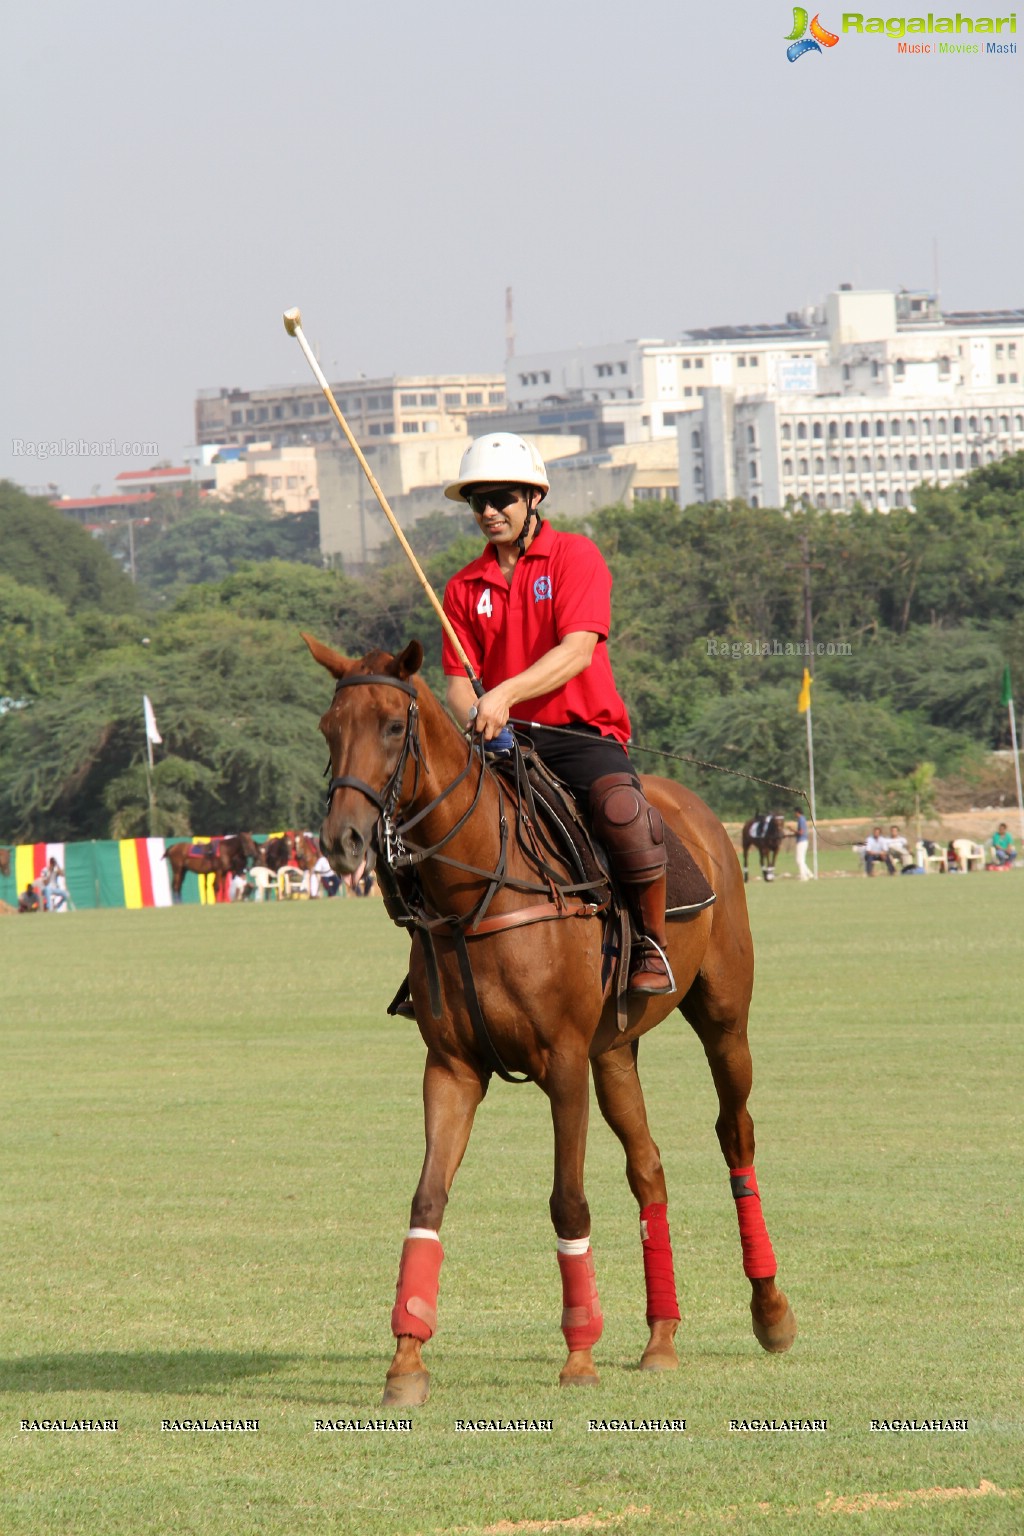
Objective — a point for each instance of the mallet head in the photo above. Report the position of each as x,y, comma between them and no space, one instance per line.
293,320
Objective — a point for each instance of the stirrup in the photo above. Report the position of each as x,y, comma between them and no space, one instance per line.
400,1005
670,981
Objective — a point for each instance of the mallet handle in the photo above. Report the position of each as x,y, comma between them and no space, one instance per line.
294,328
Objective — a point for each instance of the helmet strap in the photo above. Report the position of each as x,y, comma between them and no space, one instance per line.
525,533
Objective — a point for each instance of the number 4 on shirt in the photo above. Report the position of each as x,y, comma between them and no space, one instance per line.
484,605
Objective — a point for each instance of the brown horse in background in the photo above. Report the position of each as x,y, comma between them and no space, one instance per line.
290,847
227,856
403,778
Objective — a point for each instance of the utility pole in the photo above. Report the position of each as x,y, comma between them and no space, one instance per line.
510,327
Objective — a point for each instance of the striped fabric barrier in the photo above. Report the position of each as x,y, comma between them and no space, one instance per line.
132,873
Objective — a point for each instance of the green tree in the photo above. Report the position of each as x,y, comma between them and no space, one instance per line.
237,703
914,796
43,548
36,633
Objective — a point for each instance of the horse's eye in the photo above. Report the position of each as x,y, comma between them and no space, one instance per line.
393,729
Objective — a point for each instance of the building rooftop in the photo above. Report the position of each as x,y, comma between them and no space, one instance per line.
984,317
751,332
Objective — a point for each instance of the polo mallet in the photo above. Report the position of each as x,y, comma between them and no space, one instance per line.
503,742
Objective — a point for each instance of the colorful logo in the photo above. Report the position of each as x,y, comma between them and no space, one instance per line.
799,44
542,589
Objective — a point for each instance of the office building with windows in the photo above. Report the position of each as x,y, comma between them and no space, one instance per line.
904,394
395,409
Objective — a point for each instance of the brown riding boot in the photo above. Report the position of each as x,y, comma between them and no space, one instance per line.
649,969
633,834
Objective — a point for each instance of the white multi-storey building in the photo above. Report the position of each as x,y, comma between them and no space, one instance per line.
903,395
636,391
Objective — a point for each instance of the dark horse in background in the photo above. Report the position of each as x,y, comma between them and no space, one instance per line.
766,834
490,941
227,856
289,848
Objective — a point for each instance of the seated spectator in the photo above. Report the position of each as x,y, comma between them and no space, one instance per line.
328,881
953,863
876,851
28,901
897,845
1003,851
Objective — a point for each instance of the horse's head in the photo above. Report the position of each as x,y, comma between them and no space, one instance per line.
367,732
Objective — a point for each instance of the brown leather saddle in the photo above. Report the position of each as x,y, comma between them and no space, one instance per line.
687,893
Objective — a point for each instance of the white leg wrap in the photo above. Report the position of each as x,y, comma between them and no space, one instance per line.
573,1245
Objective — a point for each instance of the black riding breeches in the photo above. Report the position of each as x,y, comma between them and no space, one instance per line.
580,756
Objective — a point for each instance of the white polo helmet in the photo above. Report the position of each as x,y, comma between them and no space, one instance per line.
497,457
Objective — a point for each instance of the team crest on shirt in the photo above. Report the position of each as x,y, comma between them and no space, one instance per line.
542,589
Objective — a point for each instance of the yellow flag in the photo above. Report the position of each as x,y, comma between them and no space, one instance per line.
803,703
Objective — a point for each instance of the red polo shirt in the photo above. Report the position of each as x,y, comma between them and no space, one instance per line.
560,586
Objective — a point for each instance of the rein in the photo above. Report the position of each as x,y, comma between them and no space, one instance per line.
399,854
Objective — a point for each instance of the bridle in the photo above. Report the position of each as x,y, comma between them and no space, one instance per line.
405,900
396,850
386,799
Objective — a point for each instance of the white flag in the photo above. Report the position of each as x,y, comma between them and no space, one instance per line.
152,734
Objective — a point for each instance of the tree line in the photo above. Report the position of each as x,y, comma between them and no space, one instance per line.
914,615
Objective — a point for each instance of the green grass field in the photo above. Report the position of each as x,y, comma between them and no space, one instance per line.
211,1134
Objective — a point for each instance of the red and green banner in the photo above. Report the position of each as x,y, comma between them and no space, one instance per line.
132,873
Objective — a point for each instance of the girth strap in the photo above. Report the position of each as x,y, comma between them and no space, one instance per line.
483,1039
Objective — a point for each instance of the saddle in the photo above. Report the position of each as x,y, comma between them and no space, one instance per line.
687,890
549,816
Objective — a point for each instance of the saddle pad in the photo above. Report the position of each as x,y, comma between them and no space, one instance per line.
687,891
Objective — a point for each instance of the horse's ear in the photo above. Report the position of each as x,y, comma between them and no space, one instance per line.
410,660
336,664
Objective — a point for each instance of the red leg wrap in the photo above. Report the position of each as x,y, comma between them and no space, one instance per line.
415,1309
758,1255
581,1310
659,1275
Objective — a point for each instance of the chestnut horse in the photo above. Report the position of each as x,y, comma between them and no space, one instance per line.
766,834
228,856
404,777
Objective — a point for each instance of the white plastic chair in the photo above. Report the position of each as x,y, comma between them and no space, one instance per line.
291,884
932,861
264,881
971,854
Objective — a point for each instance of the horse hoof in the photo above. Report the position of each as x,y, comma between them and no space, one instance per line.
660,1354
408,1391
566,1380
659,1360
777,1337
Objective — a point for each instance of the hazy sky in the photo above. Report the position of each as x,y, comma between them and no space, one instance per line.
178,175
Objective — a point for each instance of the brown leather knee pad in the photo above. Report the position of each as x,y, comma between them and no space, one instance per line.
631,829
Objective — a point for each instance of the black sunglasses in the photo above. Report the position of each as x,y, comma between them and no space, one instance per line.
479,501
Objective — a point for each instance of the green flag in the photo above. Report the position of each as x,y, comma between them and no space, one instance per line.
1007,695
